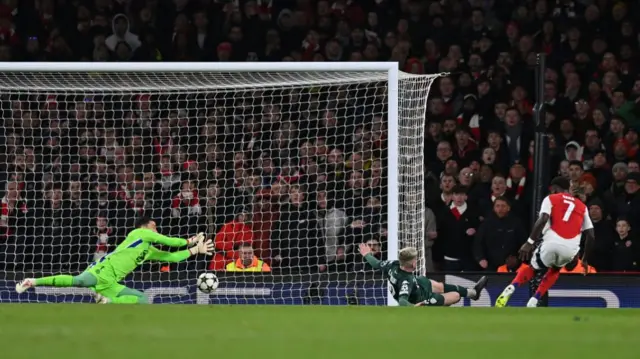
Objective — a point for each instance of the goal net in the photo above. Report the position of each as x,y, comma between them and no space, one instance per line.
288,172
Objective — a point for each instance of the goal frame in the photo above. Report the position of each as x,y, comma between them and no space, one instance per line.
393,77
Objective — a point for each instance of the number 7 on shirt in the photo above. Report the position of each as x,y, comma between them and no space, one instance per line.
570,207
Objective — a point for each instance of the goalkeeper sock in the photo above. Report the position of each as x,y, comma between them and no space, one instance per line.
524,275
464,292
547,282
61,280
126,299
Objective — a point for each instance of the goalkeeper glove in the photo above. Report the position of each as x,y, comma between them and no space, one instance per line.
202,247
195,239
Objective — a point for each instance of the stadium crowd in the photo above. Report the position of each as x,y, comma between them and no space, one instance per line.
300,177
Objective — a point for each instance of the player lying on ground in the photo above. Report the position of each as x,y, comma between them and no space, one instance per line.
567,218
105,275
409,289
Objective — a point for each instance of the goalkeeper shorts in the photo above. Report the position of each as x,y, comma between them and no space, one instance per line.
428,296
434,300
106,285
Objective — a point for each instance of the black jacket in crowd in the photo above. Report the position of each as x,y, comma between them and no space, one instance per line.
626,254
452,232
601,254
497,238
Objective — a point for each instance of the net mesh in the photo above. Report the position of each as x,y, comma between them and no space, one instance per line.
286,172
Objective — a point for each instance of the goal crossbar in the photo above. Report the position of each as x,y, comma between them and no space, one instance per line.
196,66
152,77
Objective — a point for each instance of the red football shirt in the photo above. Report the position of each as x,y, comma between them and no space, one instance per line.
568,216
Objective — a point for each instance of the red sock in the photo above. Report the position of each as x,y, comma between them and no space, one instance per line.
525,273
547,282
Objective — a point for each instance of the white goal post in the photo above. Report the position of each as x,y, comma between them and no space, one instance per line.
73,132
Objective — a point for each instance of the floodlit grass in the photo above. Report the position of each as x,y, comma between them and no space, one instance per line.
70,331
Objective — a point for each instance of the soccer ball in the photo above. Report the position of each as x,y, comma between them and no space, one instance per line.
207,282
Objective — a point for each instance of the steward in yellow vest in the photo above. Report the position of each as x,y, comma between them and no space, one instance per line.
256,266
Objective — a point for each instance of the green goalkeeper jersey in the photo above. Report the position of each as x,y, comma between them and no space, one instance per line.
135,250
402,284
405,287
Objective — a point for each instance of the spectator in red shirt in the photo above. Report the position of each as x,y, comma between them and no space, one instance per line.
230,236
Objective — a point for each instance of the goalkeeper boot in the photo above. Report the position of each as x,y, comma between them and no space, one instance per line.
503,299
480,285
100,299
25,284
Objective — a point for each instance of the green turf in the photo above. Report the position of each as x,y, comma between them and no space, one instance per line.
262,332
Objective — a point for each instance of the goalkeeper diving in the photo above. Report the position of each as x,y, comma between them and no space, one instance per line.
104,276
411,290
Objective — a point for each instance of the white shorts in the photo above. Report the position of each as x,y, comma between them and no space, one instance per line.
555,251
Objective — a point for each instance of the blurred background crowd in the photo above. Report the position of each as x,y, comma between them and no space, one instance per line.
295,179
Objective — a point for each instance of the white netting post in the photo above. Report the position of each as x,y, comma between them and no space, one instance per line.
287,166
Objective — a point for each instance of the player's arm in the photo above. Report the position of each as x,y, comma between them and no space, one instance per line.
373,261
589,240
201,247
171,257
403,295
543,219
365,251
157,238
536,231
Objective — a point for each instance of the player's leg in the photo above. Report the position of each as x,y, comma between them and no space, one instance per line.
451,298
526,272
83,280
130,296
547,282
560,255
442,300
472,293
119,294
436,287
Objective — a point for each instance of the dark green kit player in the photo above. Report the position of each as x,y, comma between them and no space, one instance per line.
105,275
409,289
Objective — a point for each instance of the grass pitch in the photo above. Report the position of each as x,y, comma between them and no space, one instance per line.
70,331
